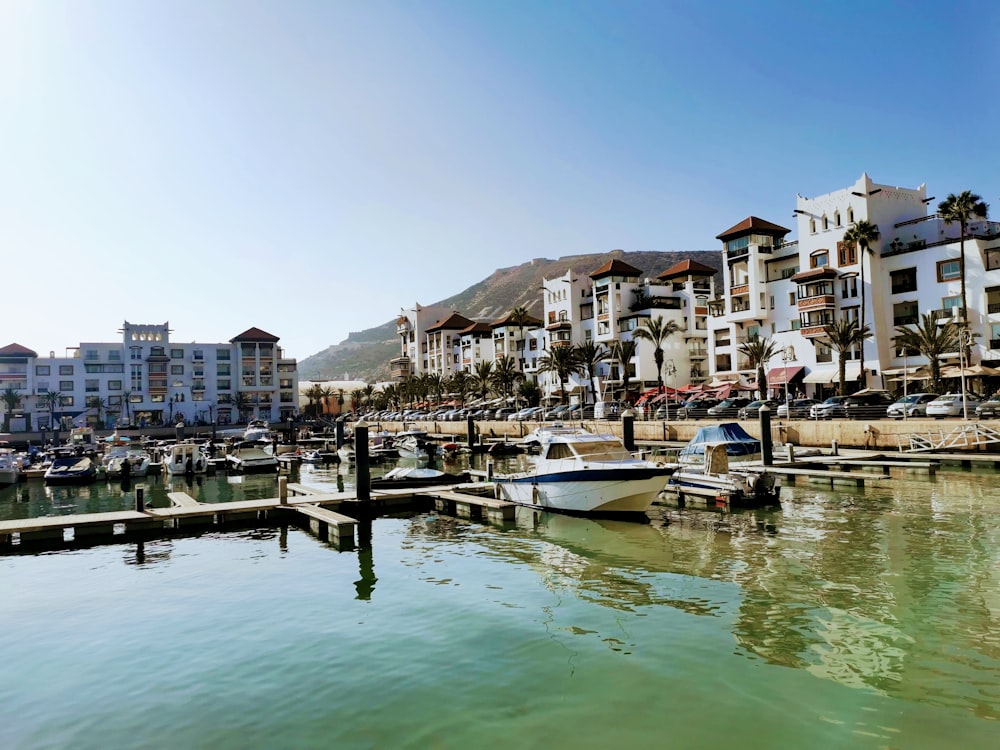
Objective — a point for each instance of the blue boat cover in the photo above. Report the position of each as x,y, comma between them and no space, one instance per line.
738,441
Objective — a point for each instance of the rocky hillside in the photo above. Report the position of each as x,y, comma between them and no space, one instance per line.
366,354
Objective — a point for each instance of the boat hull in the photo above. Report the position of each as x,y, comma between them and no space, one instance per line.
744,490
617,490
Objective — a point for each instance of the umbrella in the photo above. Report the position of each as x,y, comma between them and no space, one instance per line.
971,371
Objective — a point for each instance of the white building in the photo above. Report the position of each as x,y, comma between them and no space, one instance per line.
147,378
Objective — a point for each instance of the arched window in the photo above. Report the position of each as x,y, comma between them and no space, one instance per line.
836,218
826,223
850,215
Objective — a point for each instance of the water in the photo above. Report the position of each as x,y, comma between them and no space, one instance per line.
862,619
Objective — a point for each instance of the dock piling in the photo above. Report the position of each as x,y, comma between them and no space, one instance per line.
363,471
766,444
283,490
628,430
139,504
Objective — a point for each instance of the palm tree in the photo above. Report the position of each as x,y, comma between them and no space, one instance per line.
340,401
519,316
434,384
369,391
564,362
357,398
758,352
54,400
862,235
590,356
657,331
127,400
932,341
623,352
11,399
459,384
327,394
98,403
844,335
529,392
241,400
315,395
961,208
482,379
505,374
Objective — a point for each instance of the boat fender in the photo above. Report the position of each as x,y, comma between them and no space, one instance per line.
534,494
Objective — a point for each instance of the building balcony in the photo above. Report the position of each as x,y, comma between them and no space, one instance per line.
558,325
812,331
740,289
697,352
400,368
819,302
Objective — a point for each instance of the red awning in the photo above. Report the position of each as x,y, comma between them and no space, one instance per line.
782,375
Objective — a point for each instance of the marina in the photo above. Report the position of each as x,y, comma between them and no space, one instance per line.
866,613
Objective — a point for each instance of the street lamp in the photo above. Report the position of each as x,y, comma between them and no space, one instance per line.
672,374
964,340
787,355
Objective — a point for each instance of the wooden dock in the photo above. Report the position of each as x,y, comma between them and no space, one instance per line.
319,509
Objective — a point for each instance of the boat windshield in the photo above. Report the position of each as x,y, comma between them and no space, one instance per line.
602,450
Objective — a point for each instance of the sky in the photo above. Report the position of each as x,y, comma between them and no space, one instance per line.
309,168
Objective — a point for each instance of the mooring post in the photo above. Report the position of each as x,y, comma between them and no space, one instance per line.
489,470
139,504
766,446
340,433
363,472
470,431
283,490
628,430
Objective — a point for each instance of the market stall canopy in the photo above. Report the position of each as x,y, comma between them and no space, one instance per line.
782,375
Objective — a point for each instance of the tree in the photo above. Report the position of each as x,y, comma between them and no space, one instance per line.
127,400
459,384
623,352
861,235
505,375
590,356
529,392
326,395
842,336
519,316
563,361
657,331
758,352
54,401
241,400
12,400
932,341
483,379
340,401
961,208
98,403
315,395
434,384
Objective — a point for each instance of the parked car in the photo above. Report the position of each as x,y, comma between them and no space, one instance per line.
729,407
668,409
752,410
797,408
830,408
950,405
696,408
868,404
503,413
911,405
989,409
556,412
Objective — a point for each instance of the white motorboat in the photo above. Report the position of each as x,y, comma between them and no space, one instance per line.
137,462
414,444
258,431
346,453
582,472
250,458
705,470
185,458
10,468
71,470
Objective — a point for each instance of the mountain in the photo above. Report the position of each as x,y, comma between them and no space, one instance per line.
366,354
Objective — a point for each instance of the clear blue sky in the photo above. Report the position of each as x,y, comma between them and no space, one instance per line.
311,167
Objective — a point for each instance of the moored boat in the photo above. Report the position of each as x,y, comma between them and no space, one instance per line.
409,477
134,463
185,458
705,470
582,472
251,459
10,470
71,470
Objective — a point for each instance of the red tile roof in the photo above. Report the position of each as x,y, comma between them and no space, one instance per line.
616,267
16,350
529,321
687,268
752,224
452,322
477,328
254,334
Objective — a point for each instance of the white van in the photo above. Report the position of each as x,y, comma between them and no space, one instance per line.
608,410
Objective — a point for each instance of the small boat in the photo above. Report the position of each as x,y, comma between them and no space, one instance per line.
346,453
581,472
251,459
415,444
705,471
134,463
312,457
408,477
10,467
71,470
258,431
185,458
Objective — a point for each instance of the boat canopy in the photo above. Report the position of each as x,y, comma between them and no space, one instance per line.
738,441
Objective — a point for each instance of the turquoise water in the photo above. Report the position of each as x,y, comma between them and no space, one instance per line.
861,619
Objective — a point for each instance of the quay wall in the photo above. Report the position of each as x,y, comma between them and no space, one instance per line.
886,434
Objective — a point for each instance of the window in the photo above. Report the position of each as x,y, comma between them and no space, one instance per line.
819,259
847,253
949,270
176,369
66,401
136,377
114,400
90,355
225,385
114,356
849,287
812,226
65,385
135,398
176,354
92,386
114,385
903,280
42,370
949,302
135,353
65,369
905,314
223,354
603,328
791,298
157,399
836,218
826,223
850,215
221,369
772,301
